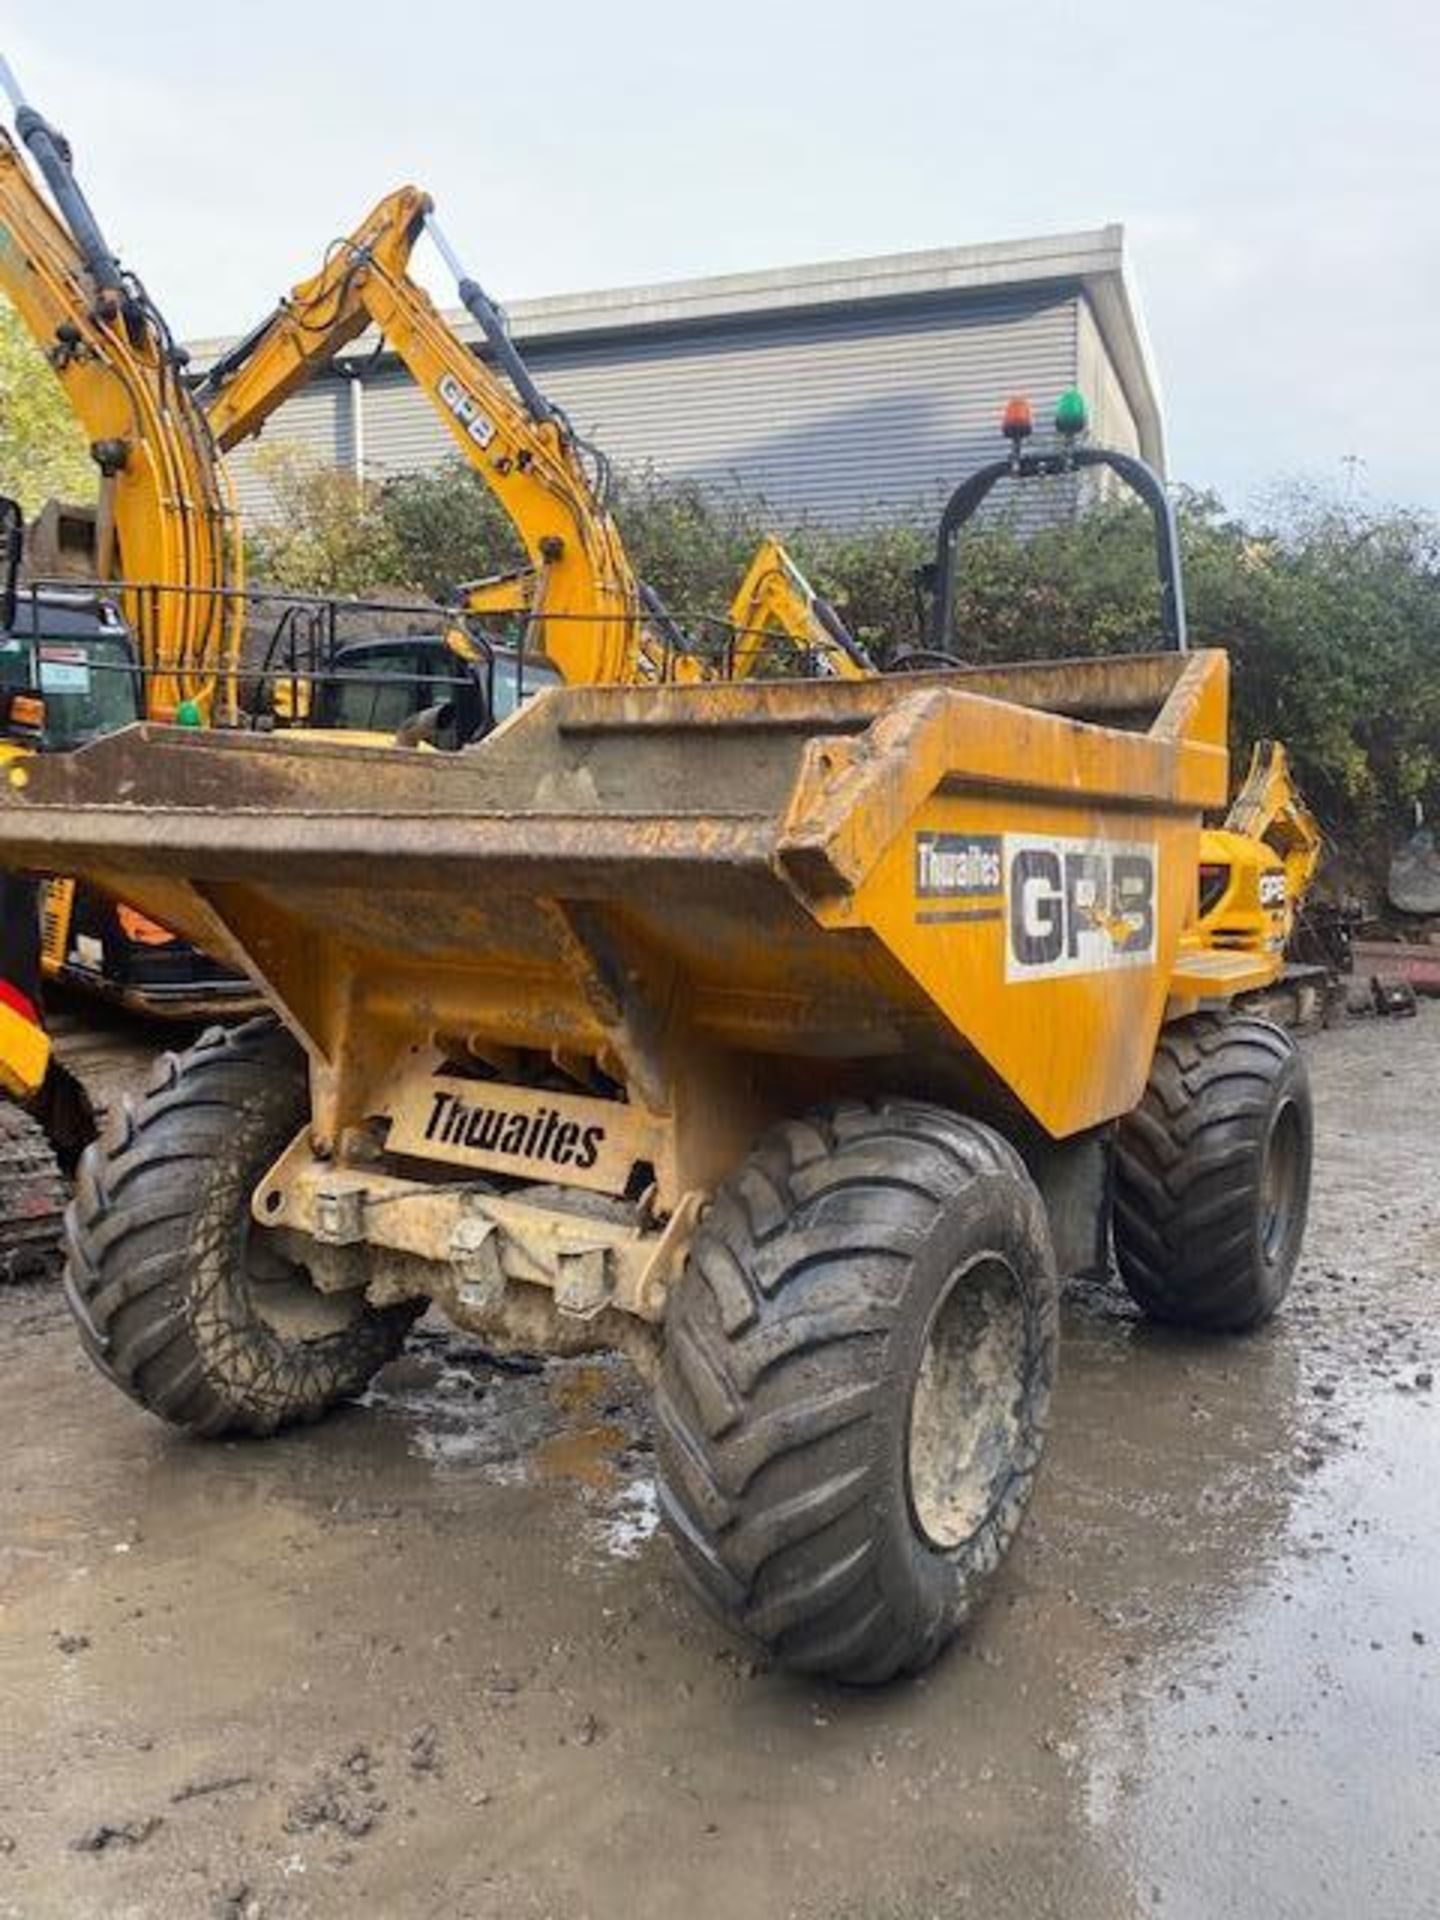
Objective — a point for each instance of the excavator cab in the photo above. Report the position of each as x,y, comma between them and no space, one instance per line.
68,666
68,671
383,686
379,686
70,674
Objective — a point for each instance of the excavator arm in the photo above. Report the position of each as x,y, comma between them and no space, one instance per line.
583,593
1257,867
775,598
597,621
1269,807
774,602
167,516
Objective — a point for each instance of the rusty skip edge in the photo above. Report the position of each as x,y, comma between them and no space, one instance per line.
195,806
855,795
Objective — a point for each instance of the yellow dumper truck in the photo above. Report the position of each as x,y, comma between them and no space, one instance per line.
794,1037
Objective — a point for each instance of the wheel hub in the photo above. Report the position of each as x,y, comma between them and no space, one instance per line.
1281,1182
965,1411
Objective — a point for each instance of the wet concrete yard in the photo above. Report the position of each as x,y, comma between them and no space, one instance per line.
432,1658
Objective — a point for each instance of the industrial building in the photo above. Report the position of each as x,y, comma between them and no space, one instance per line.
835,391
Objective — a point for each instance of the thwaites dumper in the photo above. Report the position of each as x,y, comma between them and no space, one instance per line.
792,1037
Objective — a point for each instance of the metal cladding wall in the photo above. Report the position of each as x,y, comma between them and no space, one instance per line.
318,419
832,413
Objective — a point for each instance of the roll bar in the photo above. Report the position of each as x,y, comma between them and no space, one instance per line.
1141,479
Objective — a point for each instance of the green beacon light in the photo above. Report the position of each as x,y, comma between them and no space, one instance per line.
188,714
1072,416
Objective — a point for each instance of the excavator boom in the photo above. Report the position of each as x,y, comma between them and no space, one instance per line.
167,515
775,598
1269,807
585,592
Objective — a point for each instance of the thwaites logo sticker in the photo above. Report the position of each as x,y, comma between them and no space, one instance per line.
1272,890
958,876
1077,906
529,1131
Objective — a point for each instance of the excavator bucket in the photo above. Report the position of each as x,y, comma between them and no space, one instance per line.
993,863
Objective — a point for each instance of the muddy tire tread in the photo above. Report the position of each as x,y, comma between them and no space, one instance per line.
1187,1168
138,1228
776,1354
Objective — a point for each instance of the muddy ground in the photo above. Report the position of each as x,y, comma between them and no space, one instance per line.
432,1659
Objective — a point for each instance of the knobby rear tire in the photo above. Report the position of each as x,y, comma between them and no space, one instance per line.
1212,1174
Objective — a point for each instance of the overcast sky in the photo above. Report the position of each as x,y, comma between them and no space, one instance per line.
1276,165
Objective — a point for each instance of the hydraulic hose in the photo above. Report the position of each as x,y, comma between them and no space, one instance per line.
52,155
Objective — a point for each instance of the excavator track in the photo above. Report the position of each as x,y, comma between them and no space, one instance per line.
33,1195
107,1054
100,1056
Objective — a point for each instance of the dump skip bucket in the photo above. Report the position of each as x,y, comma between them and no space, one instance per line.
998,861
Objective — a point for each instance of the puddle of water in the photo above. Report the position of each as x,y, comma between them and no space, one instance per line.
584,1454
452,1419
575,1422
1304,1723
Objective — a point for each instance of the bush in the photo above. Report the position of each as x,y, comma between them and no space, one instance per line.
448,528
329,532
43,452
1331,617
690,543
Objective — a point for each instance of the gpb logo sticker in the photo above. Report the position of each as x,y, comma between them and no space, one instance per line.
467,410
1077,906
1272,889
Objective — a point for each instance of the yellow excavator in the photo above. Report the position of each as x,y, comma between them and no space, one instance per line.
775,619
76,661
588,614
596,622
166,512
775,598
1256,872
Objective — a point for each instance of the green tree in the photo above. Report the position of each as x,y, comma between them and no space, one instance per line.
43,453
691,543
327,530
448,527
